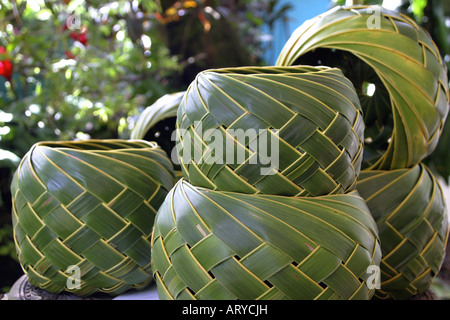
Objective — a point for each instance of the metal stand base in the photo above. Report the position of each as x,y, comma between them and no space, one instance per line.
23,290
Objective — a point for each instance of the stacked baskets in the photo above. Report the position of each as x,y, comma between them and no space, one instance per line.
231,230
297,181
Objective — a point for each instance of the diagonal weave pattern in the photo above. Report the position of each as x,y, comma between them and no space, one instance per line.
404,117
310,114
408,207
89,204
222,245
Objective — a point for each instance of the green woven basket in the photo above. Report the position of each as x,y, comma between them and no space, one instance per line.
216,245
409,209
397,70
307,119
88,205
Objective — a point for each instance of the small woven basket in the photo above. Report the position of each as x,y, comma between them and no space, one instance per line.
409,209
216,245
88,206
310,114
397,70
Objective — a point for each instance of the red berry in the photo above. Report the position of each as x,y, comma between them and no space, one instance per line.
6,66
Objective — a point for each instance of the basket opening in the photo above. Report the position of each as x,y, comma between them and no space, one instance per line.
373,95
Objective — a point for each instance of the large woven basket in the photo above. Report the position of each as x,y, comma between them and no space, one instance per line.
89,204
397,71
221,245
409,209
311,114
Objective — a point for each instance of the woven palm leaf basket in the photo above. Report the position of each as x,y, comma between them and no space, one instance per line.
398,73
88,206
311,114
409,209
216,245
230,230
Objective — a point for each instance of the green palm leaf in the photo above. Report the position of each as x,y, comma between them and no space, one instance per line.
409,209
223,245
89,204
381,50
163,108
312,115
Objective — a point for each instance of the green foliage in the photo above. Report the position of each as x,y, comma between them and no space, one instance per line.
417,8
6,246
63,89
